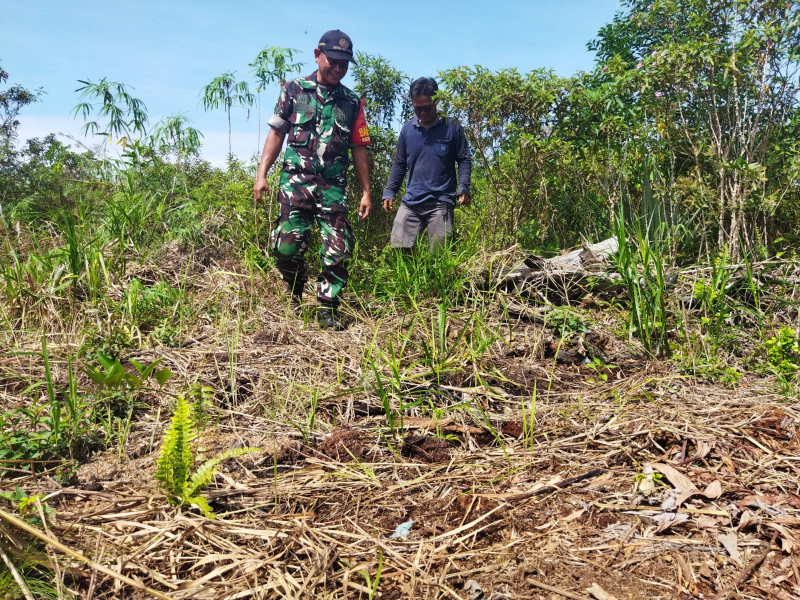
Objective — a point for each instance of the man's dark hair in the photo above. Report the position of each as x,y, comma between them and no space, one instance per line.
424,86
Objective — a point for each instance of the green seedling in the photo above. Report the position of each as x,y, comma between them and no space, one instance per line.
111,373
372,584
174,469
641,265
600,369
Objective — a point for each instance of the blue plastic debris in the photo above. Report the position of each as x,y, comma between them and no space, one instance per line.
402,530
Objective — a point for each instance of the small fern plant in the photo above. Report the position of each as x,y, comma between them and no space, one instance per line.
177,459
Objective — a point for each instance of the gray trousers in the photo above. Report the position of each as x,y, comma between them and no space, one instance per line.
434,215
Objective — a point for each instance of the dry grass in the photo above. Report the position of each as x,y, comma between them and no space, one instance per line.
556,507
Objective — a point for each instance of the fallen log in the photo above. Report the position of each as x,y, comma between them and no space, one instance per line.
565,277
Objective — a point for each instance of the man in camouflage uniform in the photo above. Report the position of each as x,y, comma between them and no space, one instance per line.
324,120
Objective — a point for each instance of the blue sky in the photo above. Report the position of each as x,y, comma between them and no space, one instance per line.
168,50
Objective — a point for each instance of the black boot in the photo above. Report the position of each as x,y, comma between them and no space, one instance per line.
328,317
296,290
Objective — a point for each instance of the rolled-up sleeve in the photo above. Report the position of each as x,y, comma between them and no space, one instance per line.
283,110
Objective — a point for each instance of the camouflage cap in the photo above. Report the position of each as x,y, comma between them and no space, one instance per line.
337,44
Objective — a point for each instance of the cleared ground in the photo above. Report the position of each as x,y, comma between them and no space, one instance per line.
520,471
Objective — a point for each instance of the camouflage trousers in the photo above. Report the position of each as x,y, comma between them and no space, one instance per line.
305,199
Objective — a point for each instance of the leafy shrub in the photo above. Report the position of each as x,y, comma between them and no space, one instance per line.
159,309
783,351
28,437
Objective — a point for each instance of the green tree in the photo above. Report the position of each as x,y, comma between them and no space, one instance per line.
174,135
272,65
224,91
121,114
12,100
712,88
382,87
510,119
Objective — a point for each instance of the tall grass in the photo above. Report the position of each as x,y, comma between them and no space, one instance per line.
715,305
35,288
402,278
640,262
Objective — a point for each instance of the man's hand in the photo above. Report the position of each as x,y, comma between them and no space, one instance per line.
388,203
272,148
464,200
260,189
361,166
365,207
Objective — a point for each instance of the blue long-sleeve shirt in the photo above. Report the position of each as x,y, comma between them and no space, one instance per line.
430,158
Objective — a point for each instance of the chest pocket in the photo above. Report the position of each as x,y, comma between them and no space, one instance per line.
344,119
302,120
441,147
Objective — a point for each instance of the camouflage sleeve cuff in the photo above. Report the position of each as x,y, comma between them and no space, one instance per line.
278,123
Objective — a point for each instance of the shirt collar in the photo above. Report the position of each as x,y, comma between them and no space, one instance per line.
416,122
311,83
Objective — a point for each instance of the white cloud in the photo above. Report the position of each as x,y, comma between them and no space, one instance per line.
34,126
215,146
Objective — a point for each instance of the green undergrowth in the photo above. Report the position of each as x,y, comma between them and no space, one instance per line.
403,278
105,268
60,424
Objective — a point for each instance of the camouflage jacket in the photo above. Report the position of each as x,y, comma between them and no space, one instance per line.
319,121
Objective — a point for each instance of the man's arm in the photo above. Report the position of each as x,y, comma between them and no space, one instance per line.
272,148
361,166
278,128
464,162
396,174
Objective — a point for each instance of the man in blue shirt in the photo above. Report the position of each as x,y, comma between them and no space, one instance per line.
428,149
